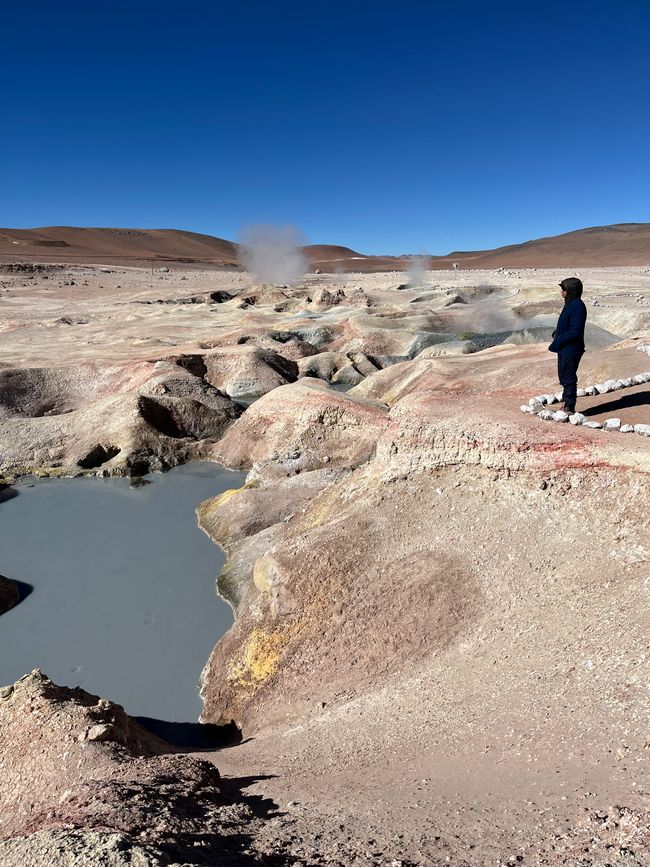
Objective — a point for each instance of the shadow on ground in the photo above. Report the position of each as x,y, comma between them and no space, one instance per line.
7,493
230,850
24,589
192,736
630,401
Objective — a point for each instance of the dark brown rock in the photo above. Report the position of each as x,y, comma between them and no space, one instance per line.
9,594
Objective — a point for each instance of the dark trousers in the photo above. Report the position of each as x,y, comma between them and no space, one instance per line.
567,373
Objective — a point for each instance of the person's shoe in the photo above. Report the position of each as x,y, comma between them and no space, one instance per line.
569,409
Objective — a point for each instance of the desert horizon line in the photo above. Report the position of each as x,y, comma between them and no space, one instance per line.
319,244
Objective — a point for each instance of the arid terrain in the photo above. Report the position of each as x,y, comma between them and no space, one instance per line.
620,244
440,653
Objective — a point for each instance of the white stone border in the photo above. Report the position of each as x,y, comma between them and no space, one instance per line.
535,405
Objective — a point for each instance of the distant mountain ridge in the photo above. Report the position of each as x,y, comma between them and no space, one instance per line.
618,244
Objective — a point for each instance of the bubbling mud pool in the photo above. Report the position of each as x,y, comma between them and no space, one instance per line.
123,599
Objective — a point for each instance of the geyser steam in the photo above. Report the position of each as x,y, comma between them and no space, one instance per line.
487,316
417,271
273,254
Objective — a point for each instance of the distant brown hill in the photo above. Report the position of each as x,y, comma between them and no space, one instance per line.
71,244
620,244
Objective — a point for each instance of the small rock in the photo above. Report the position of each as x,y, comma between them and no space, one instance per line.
526,408
643,429
100,732
577,418
561,416
591,390
627,428
612,424
546,415
592,424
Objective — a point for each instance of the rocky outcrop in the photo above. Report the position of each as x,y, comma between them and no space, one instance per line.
248,372
128,419
301,427
82,783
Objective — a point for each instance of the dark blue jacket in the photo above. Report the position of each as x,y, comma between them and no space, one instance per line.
569,336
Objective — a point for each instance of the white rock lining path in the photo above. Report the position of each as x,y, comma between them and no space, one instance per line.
536,405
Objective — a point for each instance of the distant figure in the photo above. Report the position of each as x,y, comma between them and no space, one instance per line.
569,340
455,266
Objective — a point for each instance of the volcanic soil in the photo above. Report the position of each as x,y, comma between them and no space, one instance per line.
440,649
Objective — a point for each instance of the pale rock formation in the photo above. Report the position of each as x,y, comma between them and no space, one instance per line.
122,419
247,372
302,427
323,299
347,375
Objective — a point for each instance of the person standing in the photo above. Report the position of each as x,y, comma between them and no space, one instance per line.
569,340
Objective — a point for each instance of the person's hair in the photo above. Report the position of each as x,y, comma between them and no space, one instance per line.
573,288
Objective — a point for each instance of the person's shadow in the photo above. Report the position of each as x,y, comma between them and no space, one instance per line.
626,401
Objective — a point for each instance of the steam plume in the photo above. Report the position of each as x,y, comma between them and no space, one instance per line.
417,271
489,315
273,253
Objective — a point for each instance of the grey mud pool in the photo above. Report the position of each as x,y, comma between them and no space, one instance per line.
119,586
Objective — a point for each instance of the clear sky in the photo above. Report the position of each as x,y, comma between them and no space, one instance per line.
386,126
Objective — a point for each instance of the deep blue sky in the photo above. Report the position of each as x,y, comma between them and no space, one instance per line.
387,126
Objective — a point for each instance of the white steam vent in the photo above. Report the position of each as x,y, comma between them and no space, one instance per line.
417,271
273,254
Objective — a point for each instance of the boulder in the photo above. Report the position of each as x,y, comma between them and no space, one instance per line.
323,299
